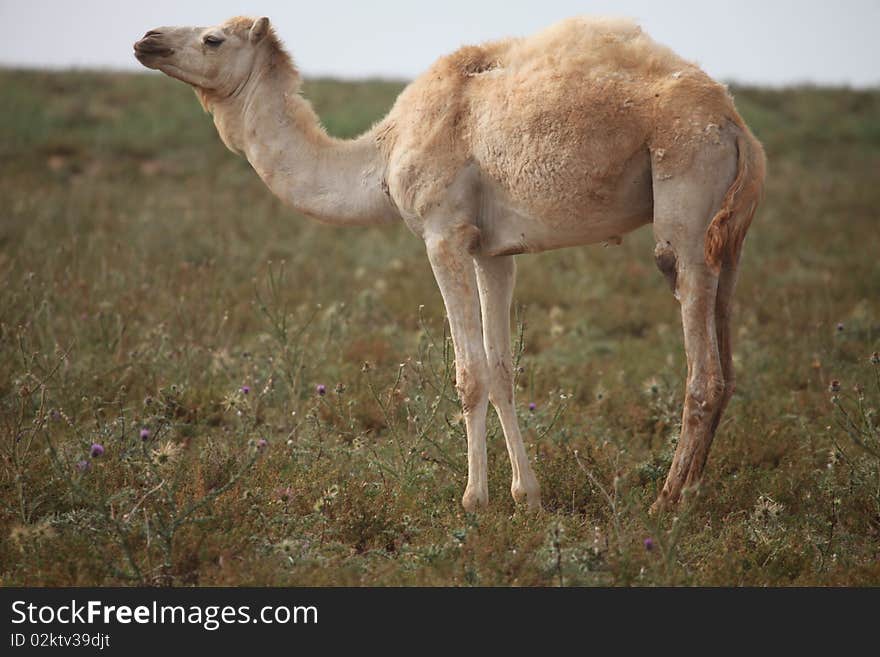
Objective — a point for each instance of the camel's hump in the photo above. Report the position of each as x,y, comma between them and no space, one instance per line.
579,43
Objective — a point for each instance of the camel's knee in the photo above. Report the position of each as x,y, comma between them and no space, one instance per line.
473,387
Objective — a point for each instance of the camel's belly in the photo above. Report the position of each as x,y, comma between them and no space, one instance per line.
509,227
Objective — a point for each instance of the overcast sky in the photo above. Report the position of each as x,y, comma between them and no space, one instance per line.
767,42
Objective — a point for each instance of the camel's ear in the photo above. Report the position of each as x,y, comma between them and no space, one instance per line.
259,29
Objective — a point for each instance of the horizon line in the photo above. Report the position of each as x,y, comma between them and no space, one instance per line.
383,77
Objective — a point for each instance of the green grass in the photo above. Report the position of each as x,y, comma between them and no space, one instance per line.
147,275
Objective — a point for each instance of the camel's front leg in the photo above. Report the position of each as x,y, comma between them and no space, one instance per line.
454,270
496,277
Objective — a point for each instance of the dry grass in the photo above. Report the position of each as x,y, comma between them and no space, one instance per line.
148,277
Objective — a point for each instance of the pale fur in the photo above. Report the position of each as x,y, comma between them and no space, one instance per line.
577,134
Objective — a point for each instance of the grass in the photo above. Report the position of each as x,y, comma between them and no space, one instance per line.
151,282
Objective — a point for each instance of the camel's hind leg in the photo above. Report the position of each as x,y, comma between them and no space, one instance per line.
704,392
684,204
727,383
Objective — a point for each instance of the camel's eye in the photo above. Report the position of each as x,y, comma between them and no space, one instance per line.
212,41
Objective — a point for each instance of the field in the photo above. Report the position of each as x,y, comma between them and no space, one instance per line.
273,398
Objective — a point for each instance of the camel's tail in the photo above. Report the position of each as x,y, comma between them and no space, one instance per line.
727,230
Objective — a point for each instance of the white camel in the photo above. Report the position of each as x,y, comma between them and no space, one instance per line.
576,135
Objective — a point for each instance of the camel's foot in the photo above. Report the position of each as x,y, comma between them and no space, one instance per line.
672,497
527,491
664,502
475,498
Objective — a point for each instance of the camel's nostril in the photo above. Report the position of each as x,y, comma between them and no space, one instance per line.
152,33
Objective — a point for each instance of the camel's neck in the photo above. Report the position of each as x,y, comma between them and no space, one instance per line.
331,180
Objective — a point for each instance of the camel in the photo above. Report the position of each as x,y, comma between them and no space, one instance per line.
572,136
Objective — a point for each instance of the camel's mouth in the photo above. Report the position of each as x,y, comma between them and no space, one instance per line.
150,49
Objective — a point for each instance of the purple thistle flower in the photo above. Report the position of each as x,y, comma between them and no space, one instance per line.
96,450
262,444
321,389
83,465
145,434
245,390
532,406
649,544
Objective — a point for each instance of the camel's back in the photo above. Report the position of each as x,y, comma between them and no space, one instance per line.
556,117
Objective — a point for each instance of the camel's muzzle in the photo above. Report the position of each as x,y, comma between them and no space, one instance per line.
151,45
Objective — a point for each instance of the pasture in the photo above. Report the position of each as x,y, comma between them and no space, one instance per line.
273,399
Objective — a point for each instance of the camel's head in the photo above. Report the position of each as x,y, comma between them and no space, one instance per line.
216,60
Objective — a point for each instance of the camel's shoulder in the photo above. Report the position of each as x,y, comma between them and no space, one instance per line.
434,106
